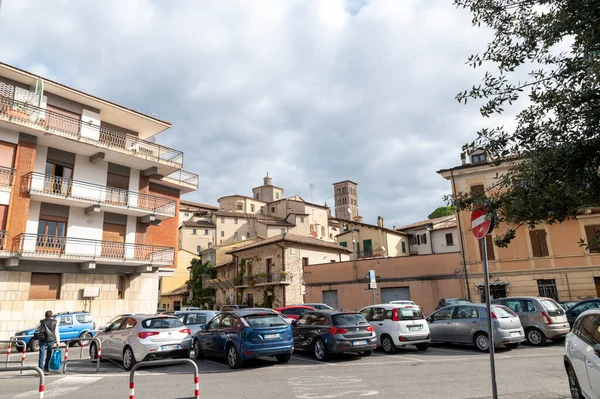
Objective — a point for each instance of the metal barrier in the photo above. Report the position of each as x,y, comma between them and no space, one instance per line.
34,368
10,342
164,363
97,360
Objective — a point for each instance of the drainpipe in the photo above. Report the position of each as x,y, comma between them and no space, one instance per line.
460,237
283,269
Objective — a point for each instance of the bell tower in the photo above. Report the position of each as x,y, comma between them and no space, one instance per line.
346,200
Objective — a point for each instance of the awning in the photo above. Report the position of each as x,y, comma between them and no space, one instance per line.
218,283
492,284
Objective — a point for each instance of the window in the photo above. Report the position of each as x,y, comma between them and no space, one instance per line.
477,189
478,158
176,305
250,300
128,323
378,314
282,231
304,262
44,286
222,220
344,244
277,195
539,246
222,233
489,247
257,195
423,239
84,318
198,248
239,207
449,239
65,320
235,220
205,232
466,312
121,281
249,268
193,231
251,207
588,330
444,314
592,233
160,283
186,214
301,219
195,318
403,247
414,240
547,288
272,209
322,231
269,265
235,235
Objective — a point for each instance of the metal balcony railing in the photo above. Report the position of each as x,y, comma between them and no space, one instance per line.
263,278
184,177
55,123
84,249
56,186
6,176
369,253
3,234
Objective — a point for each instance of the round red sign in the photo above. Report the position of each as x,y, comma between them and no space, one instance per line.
481,223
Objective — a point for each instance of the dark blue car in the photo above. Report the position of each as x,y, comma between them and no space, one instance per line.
70,325
245,334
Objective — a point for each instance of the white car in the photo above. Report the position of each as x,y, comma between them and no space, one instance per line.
582,356
398,325
403,302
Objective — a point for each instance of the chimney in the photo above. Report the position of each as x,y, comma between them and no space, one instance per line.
463,158
380,221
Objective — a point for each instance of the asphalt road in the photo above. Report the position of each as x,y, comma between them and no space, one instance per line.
442,372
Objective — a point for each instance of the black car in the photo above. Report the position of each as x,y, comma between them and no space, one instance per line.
452,301
581,307
327,332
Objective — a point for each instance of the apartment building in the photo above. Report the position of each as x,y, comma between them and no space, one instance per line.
546,260
433,236
369,241
88,203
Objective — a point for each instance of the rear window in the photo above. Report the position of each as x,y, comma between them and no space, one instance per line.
162,322
457,302
348,319
410,314
502,312
552,307
83,318
264,320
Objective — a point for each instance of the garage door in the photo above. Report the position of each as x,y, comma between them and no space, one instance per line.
330,298
394,294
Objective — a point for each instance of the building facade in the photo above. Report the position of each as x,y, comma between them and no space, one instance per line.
433,236
368,241
88,203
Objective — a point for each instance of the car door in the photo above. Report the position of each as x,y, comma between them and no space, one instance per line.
377,320
464,320
518,306
106,338
577,347
221,336
592,358
300,331
65,327
440,325
207,337
121,335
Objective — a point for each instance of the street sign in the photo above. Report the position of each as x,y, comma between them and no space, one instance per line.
481,223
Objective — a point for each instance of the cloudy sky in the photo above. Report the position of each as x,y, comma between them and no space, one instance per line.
312,91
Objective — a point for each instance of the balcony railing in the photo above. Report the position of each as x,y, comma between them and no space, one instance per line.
65,126
369,253
184,177
56,186
3,234
83,249
263,279
6,176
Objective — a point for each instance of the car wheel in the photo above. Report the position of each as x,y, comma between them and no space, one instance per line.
573,383
422,347
535,337
198,354
283,358
233,358
320,350
365,353
34,345
482,342
388,344
512,346
85,335
93,351
128,359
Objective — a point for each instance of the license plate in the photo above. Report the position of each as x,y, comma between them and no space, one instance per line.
271,336
416,328
515,334
169,347
356,343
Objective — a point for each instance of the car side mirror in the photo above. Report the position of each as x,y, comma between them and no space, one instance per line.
203,327
597,350
429,319
105,329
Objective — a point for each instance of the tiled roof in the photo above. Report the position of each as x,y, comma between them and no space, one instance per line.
222,256
490,164
451,219
276,222
198,223
373,226
184,203
294,238
184,289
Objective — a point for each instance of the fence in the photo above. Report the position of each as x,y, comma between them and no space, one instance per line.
10,342
164,363
81,359
34,368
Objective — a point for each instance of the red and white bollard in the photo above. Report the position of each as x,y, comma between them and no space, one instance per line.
99,353
8,353
197,386
42,391
131,390
66,353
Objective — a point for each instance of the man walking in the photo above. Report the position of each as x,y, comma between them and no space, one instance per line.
49,336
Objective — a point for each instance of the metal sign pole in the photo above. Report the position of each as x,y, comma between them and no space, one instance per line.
489,314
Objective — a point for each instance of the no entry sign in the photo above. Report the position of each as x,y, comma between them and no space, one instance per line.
481,223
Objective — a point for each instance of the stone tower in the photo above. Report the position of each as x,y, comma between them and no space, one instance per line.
346,198
267,192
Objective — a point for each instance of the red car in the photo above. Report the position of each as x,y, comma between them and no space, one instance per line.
293,312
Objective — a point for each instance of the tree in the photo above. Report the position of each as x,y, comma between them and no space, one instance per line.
441,211
554,149
201,295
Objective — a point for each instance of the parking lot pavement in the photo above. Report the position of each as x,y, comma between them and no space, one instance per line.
443,371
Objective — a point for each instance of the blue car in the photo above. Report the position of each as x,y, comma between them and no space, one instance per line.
240,335
70,325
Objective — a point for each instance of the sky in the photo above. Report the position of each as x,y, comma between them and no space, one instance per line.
310,91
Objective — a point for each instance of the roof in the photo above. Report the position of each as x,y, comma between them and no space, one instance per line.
241,196
198,223
293,238
275,222
184,289
197,205
221,252
298,200
445,221
345,181
473,165
374,226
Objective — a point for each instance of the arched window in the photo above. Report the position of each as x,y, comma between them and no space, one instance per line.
251,207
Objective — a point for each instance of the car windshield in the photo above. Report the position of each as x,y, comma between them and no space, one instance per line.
264,320
552,307
502,312
348,319
162,322
410,314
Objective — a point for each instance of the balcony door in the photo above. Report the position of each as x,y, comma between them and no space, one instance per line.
58,178
52,231
117,182
113,240
63,120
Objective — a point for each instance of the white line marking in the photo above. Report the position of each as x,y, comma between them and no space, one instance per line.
313,361
413,359
217,363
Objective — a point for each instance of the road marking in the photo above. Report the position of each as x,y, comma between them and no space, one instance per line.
63,386
312,360
217,363
324,387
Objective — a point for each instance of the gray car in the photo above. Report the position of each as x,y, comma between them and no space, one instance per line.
193,319
136,338
542,318
467,324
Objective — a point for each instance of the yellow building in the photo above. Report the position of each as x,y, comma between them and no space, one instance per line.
173,290
368,241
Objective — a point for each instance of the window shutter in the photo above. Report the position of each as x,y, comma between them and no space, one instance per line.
535,243
44,286
489,242
590,233
477,189
543,243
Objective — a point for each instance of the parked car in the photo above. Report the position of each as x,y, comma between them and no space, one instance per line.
467,324
139,337
168,313
194,319
188,308
70,325
574,312
293,312
542,318
318,306
566,305
325,332
452,301
225,308
398,325
243,334
582,356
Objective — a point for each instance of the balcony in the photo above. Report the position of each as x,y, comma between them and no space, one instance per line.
369,253
40,120
262,279
55,248
6,177
182,180
58,190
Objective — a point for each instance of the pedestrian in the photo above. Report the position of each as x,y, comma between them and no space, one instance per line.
49,337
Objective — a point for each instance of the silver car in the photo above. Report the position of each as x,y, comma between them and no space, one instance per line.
136,338
193,319
467,324
542,318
